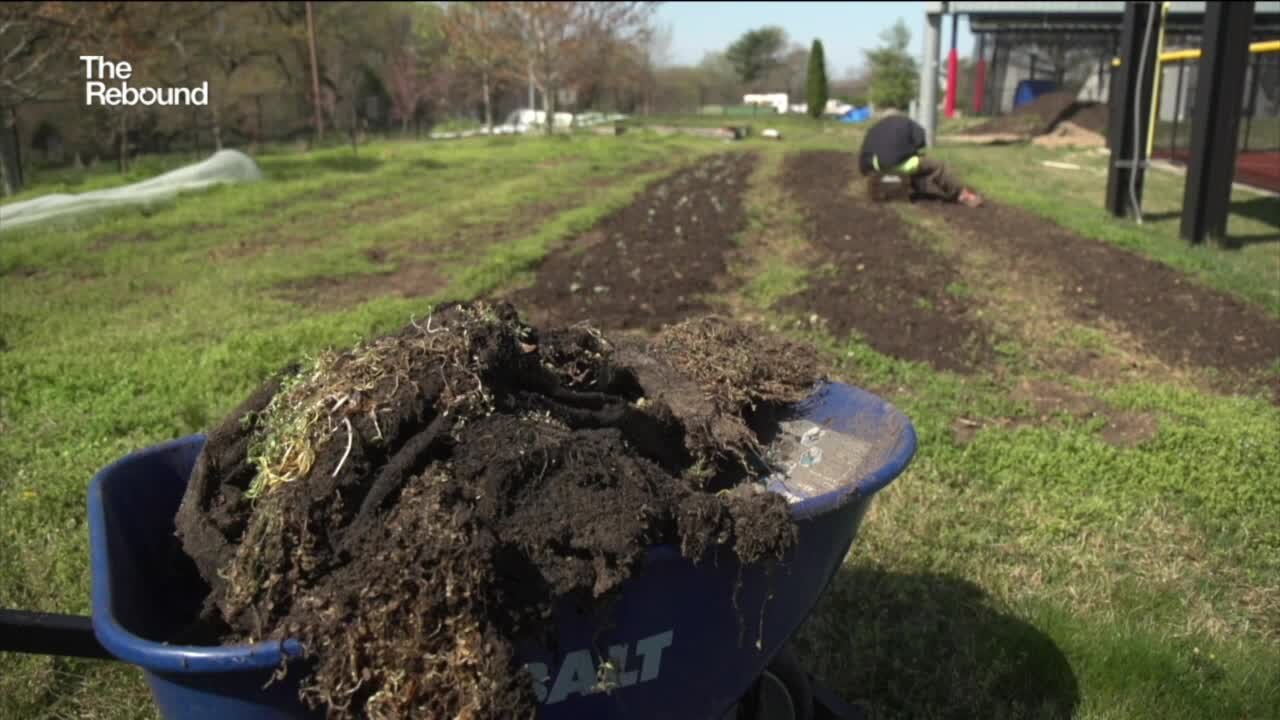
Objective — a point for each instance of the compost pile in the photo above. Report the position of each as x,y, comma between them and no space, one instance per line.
411,508
1042,115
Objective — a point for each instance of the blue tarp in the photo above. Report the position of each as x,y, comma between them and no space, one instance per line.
857,115
1029,90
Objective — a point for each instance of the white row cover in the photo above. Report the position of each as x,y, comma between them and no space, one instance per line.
225,166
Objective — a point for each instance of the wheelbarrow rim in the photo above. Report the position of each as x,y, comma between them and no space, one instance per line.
150,654
823,407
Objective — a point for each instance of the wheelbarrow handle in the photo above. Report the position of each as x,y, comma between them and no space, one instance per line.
49,634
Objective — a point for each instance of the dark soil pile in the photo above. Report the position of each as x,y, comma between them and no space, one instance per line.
1090,116
1044,113
650,263
410,508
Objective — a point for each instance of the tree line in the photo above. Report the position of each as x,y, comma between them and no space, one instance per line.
301,69
304,70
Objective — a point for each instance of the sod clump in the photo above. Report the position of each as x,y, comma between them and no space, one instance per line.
410,508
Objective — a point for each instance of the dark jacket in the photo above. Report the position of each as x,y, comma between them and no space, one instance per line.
892,140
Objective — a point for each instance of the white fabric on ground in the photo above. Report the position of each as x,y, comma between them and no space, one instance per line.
225,166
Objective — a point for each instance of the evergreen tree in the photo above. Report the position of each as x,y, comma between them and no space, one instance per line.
816,89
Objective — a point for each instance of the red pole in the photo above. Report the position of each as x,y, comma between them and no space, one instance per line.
953,67
980,75
980,86
949,109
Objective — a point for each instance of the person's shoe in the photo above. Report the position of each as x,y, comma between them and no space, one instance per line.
969,198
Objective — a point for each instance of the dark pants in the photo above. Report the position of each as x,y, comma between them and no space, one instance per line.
932,179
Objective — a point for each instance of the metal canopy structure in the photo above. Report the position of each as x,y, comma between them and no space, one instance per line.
1103,26
1102,20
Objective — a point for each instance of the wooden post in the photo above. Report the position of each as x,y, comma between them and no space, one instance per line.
315,72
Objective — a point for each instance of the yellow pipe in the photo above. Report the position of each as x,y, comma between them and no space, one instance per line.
1258,48
1155,80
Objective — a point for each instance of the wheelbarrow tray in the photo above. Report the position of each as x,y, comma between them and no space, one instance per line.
683,640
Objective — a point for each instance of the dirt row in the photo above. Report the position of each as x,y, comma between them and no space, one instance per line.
883,283
1174,317
652,262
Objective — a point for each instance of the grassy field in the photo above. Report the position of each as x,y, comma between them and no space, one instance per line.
1024,567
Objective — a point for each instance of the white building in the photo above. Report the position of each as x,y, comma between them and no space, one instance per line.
833,107
778,101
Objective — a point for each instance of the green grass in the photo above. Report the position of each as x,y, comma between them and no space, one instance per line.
1029,570
774,283
1037,571
1074,199
457,125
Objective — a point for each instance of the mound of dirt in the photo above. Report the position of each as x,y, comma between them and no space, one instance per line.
1091,116
1035,117
1043,114
411,508
1068,134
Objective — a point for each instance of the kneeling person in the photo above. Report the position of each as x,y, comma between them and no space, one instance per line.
894,146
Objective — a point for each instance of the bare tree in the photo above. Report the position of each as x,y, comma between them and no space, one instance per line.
216,41
792,69
478,45
658,46
613,50
34,41
552,37
655,51
405,84
414,46
719,80
543,32
853,86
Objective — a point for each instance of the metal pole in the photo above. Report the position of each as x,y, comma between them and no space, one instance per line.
980,75
1130,104
928,109
1156,80
49,634
315,72
1253,100
1215,126
993,104
953,70
1177,112
1102,69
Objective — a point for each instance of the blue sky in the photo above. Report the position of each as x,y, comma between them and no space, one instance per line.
845,28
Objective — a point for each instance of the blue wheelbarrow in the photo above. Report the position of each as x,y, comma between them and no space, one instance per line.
683,641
